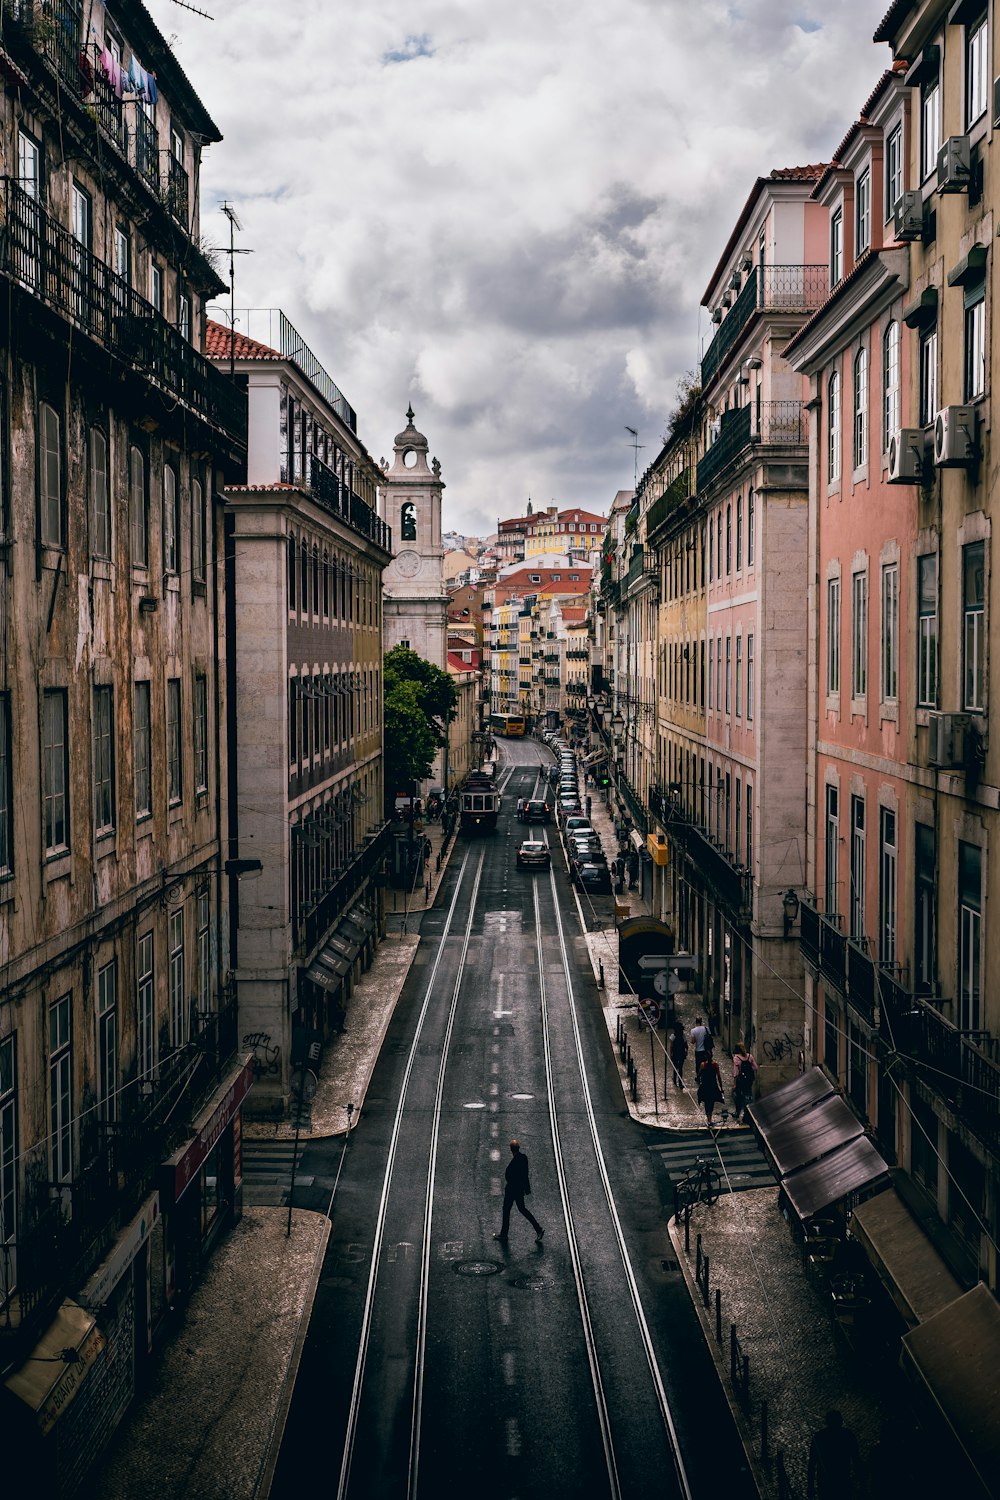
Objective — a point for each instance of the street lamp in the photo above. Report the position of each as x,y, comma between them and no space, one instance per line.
617,724
790,907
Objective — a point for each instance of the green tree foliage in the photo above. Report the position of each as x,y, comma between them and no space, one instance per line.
420,701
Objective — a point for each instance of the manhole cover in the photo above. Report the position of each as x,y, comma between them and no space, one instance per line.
529,1283
476,1267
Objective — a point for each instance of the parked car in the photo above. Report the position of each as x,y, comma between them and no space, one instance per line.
537,811
574,824
533,853
569,804
594,878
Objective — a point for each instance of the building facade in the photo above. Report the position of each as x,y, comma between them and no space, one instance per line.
305,555
121,1083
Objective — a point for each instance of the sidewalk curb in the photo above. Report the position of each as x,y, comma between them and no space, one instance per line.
277,1433
757,1473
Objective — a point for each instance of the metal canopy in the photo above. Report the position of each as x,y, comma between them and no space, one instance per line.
855,1166
810,1134
798,1094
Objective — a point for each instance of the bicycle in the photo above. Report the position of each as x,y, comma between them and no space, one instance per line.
701,1185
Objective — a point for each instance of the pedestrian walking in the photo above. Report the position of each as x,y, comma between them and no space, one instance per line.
678,1053
518,1188
702,1039
710,1086
744,1078
427,848
834,1461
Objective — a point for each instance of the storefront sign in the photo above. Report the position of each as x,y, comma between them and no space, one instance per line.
131,1240
48,1380
183,1166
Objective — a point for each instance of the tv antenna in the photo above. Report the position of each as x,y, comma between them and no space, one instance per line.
184,5
231,250
635,445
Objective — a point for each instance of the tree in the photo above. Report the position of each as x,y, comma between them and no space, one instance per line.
419,702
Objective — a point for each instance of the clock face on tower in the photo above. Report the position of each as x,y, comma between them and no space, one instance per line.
408,564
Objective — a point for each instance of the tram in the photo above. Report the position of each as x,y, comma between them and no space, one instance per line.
480,804
509,725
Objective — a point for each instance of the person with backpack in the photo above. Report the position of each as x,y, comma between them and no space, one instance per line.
744,1078
710,1086
678,1052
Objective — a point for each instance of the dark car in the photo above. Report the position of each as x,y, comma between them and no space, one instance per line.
533,852
569,804
537,811
594,878
579,824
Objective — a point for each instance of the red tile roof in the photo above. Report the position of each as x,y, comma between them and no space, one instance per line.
798,174
456,664
572,615
810,173
895,13
217,343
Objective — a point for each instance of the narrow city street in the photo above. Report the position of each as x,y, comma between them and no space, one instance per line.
438,1358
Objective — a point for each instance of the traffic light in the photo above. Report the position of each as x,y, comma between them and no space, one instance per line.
603,779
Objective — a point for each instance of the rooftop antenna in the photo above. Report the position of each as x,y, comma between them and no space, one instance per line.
636,445
232,252
194,9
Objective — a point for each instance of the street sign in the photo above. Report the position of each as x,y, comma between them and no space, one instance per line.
655,961
683,961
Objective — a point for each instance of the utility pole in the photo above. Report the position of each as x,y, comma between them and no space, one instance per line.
232,252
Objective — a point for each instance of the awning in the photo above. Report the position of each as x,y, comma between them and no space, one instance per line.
358,919
334,960
956,1353
810,1134
181,1169
101,1284
799,1093
907,1263
48,1380
855,1166
594,757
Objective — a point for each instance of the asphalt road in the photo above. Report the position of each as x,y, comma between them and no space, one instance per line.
439,1361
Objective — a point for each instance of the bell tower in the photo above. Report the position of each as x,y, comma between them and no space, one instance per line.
415,602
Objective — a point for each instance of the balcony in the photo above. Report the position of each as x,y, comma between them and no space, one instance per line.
963,1067
861,981
637,812
776,422
781,289
48,264
636,568
731,883
330,492
318,919
809,919
177,192
677,493
146,150
833,951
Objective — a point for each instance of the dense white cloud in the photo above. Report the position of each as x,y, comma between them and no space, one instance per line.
507,214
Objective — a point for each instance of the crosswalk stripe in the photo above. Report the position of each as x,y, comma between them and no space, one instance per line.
742,1161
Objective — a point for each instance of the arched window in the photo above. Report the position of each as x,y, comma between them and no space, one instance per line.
315,580
292,571
890,384
860,440
833,428
139,507
100,494
326,585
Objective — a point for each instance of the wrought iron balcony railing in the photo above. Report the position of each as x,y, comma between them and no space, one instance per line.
745,427
330,491
779,289
147,149
674,496
177,191
49,264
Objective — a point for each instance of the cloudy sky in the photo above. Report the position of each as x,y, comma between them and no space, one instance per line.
507,213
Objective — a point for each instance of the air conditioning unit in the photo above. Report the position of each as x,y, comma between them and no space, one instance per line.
908,217
946,740
906,456
955,437
954,165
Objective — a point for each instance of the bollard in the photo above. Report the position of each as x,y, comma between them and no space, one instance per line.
697,1258
732,1352
718,1315
704,1290
438,864
764,1455
687,1227
427,889
600,976
784,1488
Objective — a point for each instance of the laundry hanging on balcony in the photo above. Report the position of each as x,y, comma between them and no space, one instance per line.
111,70
140,82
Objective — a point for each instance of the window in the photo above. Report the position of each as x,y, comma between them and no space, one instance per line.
890,632
55,772
203,982
833,428
890,384
975,341
893,169
104,761
200,733
928,376
156,287
862,212
836,246
927,631
197,531
718,674
860,441
750,679
100,497
738,821
974,623
8,1162
123,255
832,850
184,316
60,1091
171,522
749,826
729,661
145,1016
833,635
143,752
857,867
729,540
751,521
178,1016
857,1066
711,673
859,635
976,64
970,916
718,535
739,677
50,504
925,908
107,1043
79,251
175,787
930,126
139,508
6,820
887,888
739,533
